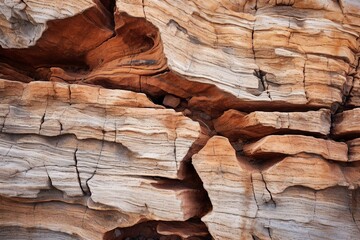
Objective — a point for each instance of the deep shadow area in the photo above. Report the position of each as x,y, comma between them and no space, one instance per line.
160,230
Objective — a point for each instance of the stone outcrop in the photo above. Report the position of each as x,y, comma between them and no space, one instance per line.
297,196
137,119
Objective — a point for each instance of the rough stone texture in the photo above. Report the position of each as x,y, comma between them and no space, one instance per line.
138,119
247,47
294,144
234,124
292,197
23,22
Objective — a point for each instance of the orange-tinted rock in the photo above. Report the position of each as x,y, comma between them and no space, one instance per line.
354,150
235,125
85,155
346,124
295,144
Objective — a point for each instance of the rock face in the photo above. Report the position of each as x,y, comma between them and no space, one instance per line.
136,119
296,195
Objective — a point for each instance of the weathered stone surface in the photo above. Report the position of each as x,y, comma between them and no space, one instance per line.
171,101
88,142
76,170
346,124
108,111
61,217
90,112
295,144
183,229
16,233
354,150
228,183
23,22
234,124
296,196
259,50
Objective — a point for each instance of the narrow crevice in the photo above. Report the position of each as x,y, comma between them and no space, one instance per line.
61,127
267,189
143,8
110,6
347,95
78,174
254,196
96,168
339,2
252,39
5,117
348,88
42,120
335,109
70,94
264,85
269,232
304,82
174,146
50,183
254,237
314,212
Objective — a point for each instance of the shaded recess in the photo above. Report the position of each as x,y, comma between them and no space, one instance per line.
190,230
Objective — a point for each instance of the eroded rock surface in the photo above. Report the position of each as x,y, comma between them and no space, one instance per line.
293,196
137,119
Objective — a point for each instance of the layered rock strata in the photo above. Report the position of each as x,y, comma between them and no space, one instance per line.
137,119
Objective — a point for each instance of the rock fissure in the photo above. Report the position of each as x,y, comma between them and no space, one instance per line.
267,189
78,173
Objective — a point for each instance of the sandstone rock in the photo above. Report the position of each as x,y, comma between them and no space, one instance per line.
183,229
228,184
16,233
90,112
354,150
61,217
33,30
235,125
296,196
25,21
346,123
354,98
171,101
88,142
87,151
294,144
291,67
76,170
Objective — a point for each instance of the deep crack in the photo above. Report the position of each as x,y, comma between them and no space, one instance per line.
78,173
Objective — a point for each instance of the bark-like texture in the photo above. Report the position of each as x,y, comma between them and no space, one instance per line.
139,119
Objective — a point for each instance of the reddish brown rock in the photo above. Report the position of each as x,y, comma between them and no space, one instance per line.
346,123
171,101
